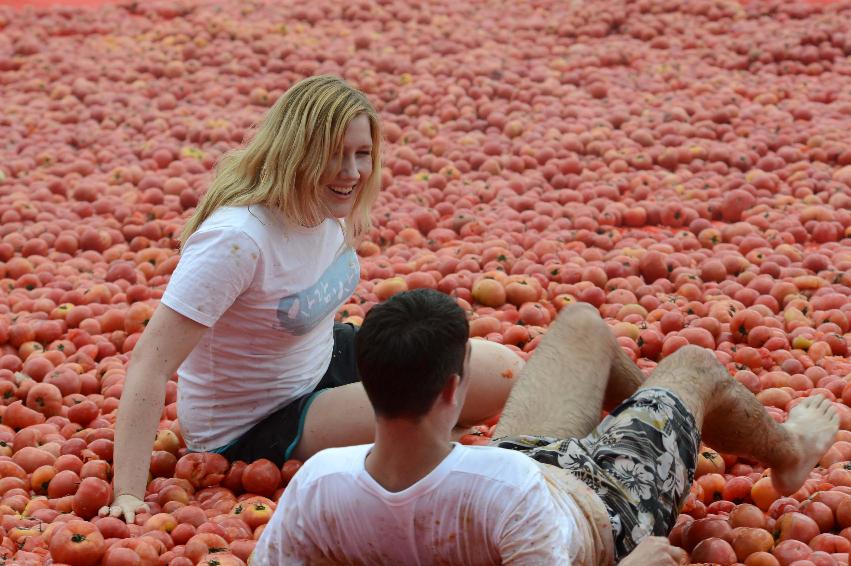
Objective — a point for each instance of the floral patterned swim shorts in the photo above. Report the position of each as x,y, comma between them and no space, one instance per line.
640,461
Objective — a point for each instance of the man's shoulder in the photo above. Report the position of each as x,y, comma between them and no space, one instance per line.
487,463
497,463
348,459
495,453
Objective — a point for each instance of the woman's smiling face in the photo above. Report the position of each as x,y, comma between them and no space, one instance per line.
345,174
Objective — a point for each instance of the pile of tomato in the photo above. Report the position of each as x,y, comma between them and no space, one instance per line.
682,165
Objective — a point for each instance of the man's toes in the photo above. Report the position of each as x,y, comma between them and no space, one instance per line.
834,417
828,408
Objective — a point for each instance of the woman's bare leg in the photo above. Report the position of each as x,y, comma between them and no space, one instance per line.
733,421
494,369
577,370
343,416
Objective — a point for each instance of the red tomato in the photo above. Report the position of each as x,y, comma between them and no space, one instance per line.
78,543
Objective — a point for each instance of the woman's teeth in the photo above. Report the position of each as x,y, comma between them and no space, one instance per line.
342,191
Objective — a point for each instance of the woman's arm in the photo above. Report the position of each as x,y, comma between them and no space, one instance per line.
167,340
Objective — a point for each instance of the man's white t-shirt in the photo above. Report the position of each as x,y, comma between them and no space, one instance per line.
269,292
481,505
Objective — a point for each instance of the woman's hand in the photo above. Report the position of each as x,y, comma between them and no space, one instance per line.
655,551
126,506
167,340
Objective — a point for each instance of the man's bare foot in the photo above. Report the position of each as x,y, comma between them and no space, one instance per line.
812,425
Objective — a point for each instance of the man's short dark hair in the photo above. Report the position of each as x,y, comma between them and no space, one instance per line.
407,349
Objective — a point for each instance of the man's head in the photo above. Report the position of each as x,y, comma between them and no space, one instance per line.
409,349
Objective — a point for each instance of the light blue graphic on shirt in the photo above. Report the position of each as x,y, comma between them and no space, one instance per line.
298,314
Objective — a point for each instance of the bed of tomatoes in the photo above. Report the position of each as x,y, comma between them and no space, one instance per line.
682,165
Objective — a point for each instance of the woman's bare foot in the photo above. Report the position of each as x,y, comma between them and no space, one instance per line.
812,425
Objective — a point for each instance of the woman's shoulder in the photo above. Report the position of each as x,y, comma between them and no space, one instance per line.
263,224
239,217
255,221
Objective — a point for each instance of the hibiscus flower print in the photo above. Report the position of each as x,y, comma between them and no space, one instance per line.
617,525
637,480
609,438
644,527
665,463
663,470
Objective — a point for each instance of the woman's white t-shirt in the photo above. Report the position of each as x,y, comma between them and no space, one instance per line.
269,292
480,506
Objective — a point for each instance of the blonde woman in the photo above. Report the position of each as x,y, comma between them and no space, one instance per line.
247,319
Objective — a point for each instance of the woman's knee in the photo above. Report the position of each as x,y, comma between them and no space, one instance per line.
493,370
492,359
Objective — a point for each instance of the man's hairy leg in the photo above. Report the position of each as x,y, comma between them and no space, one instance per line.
576,370
733,421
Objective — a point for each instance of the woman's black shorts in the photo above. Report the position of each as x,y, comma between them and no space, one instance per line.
276,436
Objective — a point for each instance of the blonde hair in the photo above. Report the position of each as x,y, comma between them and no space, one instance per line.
281,166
